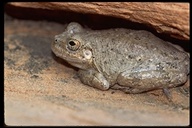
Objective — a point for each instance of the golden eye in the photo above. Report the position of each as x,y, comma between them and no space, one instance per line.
73,45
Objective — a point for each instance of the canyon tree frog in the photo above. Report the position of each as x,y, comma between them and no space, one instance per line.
133,61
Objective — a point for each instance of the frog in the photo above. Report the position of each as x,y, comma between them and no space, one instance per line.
133,61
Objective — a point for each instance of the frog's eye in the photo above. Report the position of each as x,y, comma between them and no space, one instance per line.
73,45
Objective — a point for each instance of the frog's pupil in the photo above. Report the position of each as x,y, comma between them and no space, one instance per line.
72,43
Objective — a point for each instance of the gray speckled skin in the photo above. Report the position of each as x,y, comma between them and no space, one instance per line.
129,60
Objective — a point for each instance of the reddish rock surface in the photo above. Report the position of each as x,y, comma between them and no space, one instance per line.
171,18
41,89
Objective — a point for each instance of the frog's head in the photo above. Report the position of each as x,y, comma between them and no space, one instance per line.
70,47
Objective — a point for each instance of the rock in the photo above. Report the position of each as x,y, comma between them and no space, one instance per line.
169,18
41,90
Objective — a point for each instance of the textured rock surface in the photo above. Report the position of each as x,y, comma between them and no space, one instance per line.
171,18
41,89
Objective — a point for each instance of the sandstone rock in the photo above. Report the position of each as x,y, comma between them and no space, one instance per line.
42,90
171,18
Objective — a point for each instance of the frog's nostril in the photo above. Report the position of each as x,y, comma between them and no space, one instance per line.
56,40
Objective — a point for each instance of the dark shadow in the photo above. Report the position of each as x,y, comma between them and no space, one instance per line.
93,21
63,62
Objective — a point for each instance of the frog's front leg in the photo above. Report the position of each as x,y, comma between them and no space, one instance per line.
93,79
137,82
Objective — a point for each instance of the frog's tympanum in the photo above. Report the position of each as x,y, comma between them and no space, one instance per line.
133,61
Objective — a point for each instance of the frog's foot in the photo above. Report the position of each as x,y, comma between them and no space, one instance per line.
93,79
169,97
126,89
185,91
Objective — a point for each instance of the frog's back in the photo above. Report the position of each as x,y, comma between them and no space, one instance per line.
118,50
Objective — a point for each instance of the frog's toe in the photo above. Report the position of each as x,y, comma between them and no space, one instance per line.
167,94
100,82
